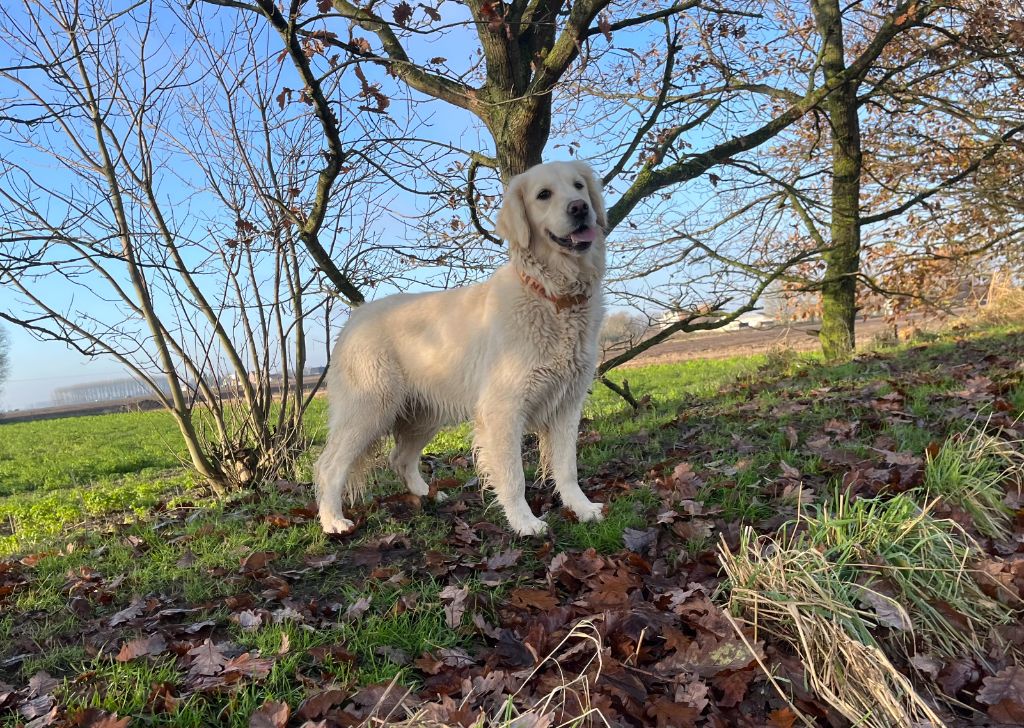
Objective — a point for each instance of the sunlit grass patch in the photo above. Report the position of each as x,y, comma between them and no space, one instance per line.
28,519
973,470
626,511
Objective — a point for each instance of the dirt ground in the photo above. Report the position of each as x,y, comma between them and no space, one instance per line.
797,337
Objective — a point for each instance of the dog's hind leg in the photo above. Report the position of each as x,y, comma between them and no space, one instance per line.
357,422
412,434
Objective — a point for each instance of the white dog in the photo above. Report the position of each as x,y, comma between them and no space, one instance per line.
514,353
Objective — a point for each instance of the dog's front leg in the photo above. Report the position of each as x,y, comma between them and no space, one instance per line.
499,459
558,454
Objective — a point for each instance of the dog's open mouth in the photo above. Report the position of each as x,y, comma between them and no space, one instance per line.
578,240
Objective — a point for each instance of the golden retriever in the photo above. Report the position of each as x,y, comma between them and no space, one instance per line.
515,353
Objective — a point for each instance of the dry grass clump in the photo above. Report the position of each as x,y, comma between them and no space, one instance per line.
856,566
796,594
1004,303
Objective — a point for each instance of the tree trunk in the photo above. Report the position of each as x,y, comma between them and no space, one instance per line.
520,132
518,150
842,259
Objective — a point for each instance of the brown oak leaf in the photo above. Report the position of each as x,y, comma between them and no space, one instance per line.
316,706
153,644
1004,694
129,613
270,715
402,13
98,718
207,659
535,598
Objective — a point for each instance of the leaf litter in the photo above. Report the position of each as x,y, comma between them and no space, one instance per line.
650,633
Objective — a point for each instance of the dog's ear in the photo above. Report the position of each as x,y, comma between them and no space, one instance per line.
512,223
594,190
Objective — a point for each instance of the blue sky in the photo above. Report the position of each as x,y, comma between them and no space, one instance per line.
38,367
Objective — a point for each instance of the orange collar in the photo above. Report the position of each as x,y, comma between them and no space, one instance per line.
561,302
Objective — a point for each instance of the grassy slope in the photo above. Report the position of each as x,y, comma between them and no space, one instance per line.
735,425
58,474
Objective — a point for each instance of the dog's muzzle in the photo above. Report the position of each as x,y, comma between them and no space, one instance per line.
578,241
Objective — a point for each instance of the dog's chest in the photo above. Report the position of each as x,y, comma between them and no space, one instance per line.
566,348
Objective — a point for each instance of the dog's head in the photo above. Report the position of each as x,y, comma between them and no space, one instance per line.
558,204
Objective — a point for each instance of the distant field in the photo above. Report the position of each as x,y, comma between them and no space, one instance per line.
56,474
56,454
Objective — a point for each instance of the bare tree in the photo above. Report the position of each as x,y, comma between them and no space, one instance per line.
911,139
921,118
701,89
161,218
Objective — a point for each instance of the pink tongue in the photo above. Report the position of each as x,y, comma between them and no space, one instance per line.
586,235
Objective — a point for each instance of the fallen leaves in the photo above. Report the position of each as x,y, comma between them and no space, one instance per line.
270,715
454,598
1003,693
154,644
98,718
256,561
539,599
207,659
133,610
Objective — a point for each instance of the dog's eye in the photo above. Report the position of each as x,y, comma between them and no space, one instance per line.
578,185
543,194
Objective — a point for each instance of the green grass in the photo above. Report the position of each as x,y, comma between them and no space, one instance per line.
733,420
81,451
30,519
628,511
972,470
59,474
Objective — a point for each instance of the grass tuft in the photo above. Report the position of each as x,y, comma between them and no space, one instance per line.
971,471
924,564
795,593
858,579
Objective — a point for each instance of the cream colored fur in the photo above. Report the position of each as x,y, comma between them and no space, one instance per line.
498,353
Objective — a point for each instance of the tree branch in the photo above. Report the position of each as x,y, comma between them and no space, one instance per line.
310,226
649,180
415,76
945,184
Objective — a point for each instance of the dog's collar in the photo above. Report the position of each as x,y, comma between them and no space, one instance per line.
561,302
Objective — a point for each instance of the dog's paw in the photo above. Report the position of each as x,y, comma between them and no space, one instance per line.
589,512
531,526
440,496
337,525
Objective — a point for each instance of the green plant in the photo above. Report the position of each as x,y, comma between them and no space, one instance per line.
972,470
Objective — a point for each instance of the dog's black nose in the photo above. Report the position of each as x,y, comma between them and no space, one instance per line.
578,208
